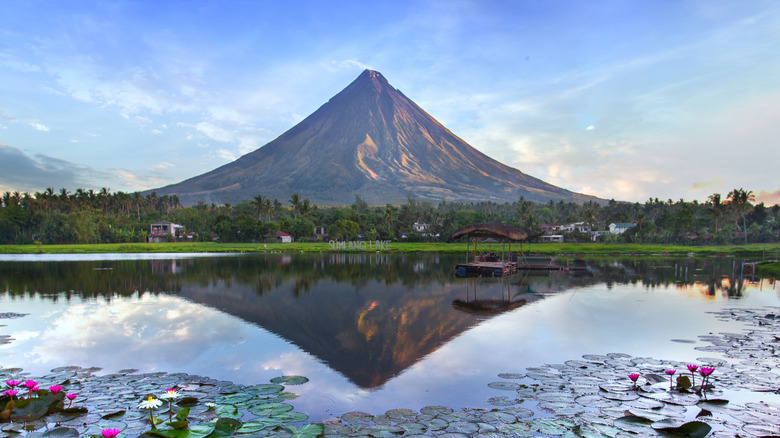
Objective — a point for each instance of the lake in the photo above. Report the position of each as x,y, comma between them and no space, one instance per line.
372,331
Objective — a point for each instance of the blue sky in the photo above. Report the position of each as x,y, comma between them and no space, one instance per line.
618,99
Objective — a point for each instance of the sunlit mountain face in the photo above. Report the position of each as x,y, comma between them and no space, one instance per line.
370,141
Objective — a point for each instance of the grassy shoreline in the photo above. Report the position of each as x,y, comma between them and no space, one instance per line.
768,251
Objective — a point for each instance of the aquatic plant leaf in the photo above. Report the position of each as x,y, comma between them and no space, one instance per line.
519,412
291,417
290,380
111,415
187,402
504,386
351,417
435,410
385,431
234,398
225,427
250,428
310,431
514,376
401,414
502,401
271,409
464,427
61,432
694,429
632,424
265,389
552,426
29,409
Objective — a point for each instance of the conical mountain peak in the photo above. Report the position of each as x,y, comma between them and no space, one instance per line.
371,141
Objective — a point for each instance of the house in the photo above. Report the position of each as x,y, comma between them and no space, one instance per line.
280,236
163,231
420,228
620,227
553,238
582,227
550,230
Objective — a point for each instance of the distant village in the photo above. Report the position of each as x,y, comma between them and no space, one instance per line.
87,216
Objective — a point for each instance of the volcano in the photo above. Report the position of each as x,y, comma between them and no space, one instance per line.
371,141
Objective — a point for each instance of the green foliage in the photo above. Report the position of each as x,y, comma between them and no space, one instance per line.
87,217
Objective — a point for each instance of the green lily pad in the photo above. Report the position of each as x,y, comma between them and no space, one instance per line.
633,424
225,427
29,409
290,380
504,386
62,432
271,409
694,429
264,389
291,417
234,398
353,417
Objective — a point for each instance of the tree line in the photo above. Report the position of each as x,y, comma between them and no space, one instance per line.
88,216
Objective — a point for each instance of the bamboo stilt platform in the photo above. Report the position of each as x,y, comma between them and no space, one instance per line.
485,269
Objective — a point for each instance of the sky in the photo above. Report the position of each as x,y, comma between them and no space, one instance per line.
625,100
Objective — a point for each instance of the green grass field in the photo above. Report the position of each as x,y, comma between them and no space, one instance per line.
763,251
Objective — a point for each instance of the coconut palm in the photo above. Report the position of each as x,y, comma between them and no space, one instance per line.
716,208
741,202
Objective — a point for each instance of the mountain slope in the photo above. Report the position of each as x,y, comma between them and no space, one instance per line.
371,141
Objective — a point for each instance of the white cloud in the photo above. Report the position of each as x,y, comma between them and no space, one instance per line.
350,64
226,155
39,126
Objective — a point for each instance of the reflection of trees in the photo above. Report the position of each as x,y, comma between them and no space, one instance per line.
267,272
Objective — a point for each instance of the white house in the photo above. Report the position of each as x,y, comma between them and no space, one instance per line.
582,227
420,227
160,231
620,227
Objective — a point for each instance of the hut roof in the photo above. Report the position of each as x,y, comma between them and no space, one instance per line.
492,229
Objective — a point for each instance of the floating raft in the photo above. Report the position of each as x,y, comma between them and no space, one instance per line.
485,269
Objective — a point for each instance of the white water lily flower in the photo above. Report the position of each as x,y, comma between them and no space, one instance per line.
171,393
152,403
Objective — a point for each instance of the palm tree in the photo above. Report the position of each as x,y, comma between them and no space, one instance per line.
259,203
741,202
295,201
716,208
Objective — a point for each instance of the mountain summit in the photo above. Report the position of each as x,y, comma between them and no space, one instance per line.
371,141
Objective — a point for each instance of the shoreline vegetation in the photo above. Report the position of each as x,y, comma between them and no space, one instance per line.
762,251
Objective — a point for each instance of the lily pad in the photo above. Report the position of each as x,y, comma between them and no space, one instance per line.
694,429
271,409
353,417
290,380
504,386
233,398
265,389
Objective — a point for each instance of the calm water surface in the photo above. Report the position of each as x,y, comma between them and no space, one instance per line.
372,332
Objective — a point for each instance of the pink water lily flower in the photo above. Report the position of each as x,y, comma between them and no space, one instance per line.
706,371
30,384
692,368
11,392
110,433
670,373
633,377
70,397
55,389
13,383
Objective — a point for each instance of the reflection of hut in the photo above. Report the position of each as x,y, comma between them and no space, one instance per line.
488,264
